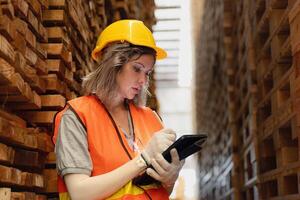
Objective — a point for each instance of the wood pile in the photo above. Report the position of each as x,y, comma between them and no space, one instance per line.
260,40
45,48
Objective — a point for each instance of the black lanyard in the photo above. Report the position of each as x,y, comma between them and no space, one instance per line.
116,128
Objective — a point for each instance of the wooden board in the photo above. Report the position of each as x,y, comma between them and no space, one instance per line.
11,134
50,180
13,119
5,193
54,101
53,84
57,4
41,66
54,17
36,7
45,142
30,39
39,117
16,104
6,50
33,22
30,139
21,8
28,159
20,43
10,175
30,56
7,28
7,8
58,51
6,154
51,159
56,66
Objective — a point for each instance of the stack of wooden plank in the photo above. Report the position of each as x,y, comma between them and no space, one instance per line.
263,89
278,134
245,87
22,64
45,48
219,162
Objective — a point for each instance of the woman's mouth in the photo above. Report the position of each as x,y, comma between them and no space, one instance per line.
137,90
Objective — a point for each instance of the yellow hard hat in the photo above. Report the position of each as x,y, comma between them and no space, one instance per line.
132,31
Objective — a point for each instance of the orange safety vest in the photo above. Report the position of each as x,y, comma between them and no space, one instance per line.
105,148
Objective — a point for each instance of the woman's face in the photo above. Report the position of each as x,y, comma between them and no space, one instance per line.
134,75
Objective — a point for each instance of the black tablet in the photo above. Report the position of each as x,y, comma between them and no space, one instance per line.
186,145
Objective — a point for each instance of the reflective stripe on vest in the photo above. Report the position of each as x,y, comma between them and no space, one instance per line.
103,140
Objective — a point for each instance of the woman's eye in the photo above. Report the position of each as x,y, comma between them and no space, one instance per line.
136,69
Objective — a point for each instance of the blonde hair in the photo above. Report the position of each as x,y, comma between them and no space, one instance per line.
102,81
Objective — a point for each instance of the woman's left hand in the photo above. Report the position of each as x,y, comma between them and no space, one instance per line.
165,172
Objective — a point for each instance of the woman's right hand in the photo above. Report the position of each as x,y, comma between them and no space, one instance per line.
159,142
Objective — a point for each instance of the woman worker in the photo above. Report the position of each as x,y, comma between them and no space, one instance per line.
107,138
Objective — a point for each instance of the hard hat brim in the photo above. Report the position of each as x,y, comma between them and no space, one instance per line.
160,53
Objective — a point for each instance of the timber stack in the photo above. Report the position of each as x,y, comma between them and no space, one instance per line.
258,57
45,48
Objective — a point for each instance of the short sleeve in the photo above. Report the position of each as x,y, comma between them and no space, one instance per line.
71,149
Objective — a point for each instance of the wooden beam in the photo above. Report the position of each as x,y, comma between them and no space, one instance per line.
7,28
56,34
32,180
33,104
69,77
6,154
39,117
10,175
6,50
54,17
51,158
19,43
56,66
7,9
20,25
42,53
45,143
27,72
36,7
54,101
30,56
71,95
53,84
58,50
33,22
21,8
28,159
5,193
57,4
42,36
30,39
11,134
44,4
50,180
41,66
13,119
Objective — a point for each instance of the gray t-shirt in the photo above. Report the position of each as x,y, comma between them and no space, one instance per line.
71,149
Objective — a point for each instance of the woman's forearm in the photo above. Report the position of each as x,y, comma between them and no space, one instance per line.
82,187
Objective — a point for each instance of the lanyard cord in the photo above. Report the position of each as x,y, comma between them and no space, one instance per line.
116,128
119,135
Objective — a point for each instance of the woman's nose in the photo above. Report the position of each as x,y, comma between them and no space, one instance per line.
142,78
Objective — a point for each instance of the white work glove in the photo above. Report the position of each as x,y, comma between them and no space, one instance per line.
159,142
165,172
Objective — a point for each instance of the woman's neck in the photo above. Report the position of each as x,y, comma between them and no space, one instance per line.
116,106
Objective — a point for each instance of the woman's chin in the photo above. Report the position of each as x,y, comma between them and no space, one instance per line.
131,97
